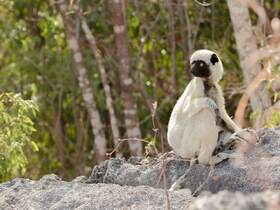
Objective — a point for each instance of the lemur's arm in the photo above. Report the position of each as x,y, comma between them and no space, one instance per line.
197,104
222,110
194,99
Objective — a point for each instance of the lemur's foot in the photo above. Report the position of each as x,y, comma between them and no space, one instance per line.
245,135
220,157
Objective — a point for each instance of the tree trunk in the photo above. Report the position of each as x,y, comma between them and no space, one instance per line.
87,92
104,79
79,158
58,136
130,106
247,44
173,47
186,36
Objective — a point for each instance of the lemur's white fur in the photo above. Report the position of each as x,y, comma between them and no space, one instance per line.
192,128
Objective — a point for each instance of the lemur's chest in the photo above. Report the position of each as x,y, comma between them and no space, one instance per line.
210,91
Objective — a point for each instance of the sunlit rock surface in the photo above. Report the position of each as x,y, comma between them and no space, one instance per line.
52,193
257,170
250,182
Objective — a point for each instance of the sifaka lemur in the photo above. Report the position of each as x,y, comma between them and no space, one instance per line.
199,115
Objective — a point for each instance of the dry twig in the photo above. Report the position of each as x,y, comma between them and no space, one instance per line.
120,141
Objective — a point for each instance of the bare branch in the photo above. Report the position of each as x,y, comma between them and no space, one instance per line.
260,54
259,10
243,102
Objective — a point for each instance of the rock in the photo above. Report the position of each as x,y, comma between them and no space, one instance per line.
238,201
80,179
136,184
257,170
52,193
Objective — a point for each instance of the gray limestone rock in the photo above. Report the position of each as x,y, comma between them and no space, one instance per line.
269,200
258,169
52,193
248,182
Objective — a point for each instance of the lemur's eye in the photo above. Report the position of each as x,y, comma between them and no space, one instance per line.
214,59
193,63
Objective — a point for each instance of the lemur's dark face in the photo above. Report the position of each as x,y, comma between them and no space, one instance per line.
199,68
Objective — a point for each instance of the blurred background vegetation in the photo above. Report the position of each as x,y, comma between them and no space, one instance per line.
37,64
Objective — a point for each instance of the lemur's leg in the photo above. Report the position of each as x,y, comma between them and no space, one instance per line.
208,145
245,136
224,139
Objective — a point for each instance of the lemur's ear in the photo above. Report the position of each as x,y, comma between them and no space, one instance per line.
214,59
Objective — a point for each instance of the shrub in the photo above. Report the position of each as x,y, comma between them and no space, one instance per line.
16,127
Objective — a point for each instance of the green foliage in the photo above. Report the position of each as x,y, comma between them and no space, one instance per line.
16,127
274,120
254,116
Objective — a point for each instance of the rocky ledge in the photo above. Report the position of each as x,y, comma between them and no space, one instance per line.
248,182
52,193
255,171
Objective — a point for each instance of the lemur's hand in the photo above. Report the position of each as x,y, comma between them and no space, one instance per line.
212,105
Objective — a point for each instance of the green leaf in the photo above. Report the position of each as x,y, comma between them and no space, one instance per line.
34,146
